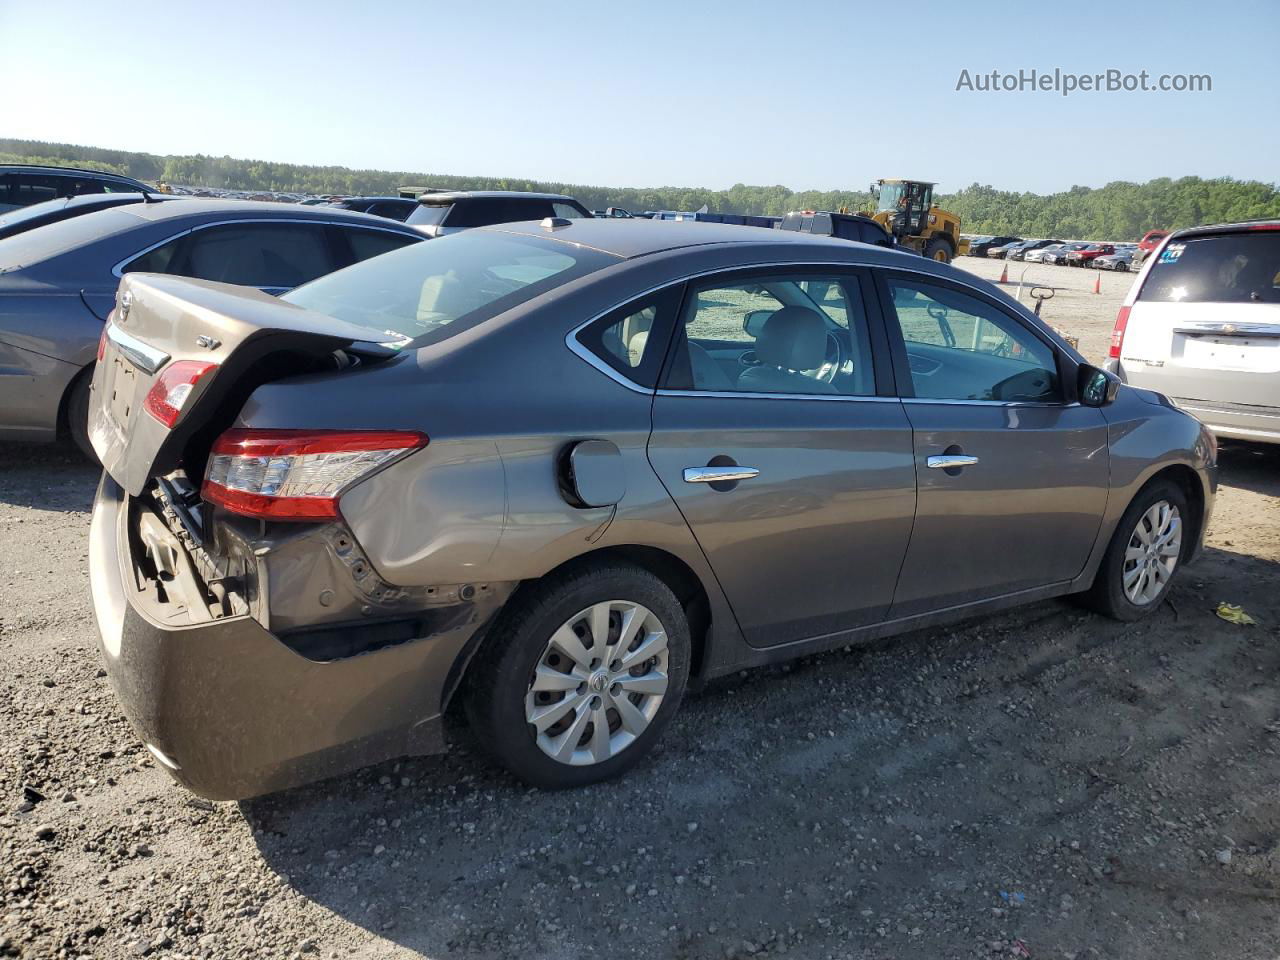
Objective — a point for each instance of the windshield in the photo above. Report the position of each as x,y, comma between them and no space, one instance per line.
428,214
426,292
890,194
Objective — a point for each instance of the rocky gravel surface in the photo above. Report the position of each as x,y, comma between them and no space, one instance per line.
1044,783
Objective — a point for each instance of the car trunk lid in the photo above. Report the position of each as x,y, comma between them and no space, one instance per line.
236,338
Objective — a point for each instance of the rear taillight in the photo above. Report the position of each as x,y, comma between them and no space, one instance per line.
1117,332
102,341
171,389
297,474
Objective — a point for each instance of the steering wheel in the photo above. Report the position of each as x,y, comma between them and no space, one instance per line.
835,360
939,313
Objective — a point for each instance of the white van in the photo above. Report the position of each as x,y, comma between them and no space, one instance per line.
1201,324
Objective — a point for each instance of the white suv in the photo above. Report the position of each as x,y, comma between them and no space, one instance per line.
1201,324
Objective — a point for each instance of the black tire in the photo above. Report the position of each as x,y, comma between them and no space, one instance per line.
77,412
938,248
1107,595
499,677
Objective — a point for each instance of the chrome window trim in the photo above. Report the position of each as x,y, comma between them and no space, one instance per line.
141,355
579,349
118,269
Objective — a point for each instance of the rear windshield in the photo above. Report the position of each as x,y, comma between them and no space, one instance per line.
1230,268
428,214
427,292
35,246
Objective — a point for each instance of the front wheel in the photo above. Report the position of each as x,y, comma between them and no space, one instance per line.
1143,556
938,249
580,675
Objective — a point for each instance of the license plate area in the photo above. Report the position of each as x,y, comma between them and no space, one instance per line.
1243,354
121,388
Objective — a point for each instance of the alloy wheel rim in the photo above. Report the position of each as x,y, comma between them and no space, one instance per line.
1152,553
598,683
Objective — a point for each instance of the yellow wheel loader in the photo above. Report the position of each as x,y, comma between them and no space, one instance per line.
906,209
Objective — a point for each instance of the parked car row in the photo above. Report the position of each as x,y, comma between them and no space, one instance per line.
1104,256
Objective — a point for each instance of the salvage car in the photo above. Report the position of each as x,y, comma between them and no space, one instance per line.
1081,256
557,471
58,283
1121,260
1201,324
1059,256
1027,247
983,247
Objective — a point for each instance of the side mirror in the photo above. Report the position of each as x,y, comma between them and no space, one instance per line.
1096,387
753,323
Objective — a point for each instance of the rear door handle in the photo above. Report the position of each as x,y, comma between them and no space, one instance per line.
718,474
950,461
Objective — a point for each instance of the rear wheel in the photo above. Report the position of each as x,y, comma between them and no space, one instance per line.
77,412
580,676
938,249
1143,556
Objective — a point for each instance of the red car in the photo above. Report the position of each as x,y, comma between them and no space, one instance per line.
1078,258
1151,239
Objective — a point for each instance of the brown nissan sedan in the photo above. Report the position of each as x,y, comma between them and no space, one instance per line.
559,469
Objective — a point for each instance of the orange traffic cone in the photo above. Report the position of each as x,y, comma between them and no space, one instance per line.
1004,274
1097,283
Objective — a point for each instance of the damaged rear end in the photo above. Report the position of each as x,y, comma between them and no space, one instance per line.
250,640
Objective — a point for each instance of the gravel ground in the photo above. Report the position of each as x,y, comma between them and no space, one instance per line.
1042,783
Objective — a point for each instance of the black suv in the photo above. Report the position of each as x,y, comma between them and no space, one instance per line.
441,213
22,184
846,226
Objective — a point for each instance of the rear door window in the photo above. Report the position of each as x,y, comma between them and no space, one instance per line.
271,256
1229,268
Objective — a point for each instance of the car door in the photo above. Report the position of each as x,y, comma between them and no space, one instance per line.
776,433
1012,474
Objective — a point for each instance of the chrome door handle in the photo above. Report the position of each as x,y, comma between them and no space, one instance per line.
718,474
950,461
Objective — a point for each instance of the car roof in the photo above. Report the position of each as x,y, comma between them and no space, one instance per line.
1240,226
65,171
440,198
638,238
362,198
197,206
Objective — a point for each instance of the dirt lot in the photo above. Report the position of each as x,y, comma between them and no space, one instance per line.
1044,783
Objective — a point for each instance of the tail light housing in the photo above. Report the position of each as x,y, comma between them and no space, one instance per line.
297,474
102,341
1117,332
169,392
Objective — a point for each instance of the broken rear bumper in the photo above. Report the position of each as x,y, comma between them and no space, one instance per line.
232,712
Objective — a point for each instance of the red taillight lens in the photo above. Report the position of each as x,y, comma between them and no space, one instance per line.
167,395
1117,332
102,340
297,474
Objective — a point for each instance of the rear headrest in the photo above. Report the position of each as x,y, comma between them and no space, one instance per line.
794,338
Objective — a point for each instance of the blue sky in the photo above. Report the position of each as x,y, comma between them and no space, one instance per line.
804,93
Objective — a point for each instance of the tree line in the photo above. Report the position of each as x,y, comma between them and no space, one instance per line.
1117,211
